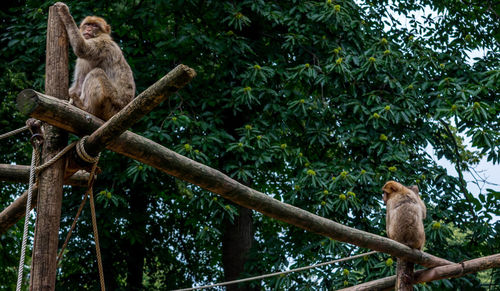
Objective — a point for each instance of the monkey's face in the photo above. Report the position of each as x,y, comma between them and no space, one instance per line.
93,26
90,30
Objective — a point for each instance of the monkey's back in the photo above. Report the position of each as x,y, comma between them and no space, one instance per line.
407,227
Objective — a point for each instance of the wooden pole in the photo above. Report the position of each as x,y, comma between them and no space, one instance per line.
43,273
72,119
404,275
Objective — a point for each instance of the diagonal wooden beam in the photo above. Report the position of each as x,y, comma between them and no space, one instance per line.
134,146
20,174
141,105
437,273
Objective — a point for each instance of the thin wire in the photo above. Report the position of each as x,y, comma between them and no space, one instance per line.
279,273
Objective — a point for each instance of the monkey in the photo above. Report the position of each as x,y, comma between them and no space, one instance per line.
103,81
405,214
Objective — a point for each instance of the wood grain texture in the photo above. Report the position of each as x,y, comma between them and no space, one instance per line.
50,182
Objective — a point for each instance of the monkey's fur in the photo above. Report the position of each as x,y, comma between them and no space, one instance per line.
405,214
103,81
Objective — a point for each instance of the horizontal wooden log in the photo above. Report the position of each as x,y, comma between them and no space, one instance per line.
458,269
59,114
20,174
386,283
434,274
16,210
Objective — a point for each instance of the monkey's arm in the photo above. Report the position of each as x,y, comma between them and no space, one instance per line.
78,43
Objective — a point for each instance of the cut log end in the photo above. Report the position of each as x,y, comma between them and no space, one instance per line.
25,102
185,76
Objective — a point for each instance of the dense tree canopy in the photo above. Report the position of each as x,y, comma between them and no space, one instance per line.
316,103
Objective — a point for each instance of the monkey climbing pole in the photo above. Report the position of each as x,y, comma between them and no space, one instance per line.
51,180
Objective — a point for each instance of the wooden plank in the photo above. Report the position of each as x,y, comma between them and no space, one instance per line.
43,273
134,146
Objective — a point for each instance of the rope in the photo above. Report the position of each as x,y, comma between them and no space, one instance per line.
55,158
73,225
34,161
14,132
279,273
80,150
88,193
96,238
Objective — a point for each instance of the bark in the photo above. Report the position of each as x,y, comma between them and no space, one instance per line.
146,151
236,244
50,184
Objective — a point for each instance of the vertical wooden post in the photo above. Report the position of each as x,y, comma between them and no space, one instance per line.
404,275
43,273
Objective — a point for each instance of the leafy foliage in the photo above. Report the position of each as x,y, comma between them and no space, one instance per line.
316,103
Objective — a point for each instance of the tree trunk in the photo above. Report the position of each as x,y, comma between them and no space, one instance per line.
137,249
236,244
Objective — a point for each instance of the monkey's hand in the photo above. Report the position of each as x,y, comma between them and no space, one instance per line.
62,9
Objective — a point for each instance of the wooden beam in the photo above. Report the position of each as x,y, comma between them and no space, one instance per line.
458,269
50,183
437,273
176,79
17,209
134,146
20,174
141,105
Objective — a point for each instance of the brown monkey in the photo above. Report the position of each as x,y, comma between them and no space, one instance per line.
405,214
103,81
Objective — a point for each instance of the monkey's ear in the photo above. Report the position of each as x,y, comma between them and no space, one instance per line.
391,187
414,188
107,29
